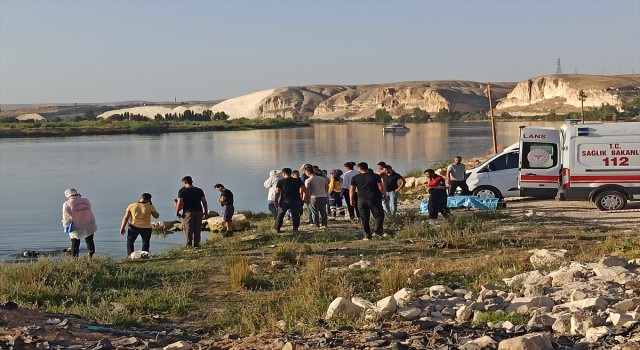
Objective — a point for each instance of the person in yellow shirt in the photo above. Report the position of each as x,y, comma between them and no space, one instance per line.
138,215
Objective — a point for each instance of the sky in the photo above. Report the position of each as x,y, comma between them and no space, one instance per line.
57,51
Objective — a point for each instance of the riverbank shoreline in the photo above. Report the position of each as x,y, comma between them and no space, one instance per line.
107,127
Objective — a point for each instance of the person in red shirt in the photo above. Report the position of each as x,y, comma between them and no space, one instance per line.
437,189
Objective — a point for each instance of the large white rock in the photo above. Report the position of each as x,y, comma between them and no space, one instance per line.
387,306
533,341
440,291
216,224
408,312
404,296
464,313
547,257
343,307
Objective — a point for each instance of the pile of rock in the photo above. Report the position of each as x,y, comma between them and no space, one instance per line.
214,223
591,302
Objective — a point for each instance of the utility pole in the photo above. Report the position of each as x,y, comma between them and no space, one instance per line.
493,122
582,97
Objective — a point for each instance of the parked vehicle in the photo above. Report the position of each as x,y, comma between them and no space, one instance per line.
497,177
595,162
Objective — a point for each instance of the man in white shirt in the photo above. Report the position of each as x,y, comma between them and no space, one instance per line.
349,173
455,177
318,186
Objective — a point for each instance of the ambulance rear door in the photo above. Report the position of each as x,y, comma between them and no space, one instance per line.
539,172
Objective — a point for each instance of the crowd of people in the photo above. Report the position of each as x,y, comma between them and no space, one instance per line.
364,191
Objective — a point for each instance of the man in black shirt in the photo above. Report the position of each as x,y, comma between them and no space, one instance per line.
290,193
192,202
226,200
393,183
371,192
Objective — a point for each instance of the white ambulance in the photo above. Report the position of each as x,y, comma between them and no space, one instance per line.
595,162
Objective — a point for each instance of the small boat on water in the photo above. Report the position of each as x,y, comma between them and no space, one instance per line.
395,127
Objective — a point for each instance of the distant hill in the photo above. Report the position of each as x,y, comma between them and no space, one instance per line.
536,96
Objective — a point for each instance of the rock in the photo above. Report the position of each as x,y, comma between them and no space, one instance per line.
404,296
102,344
255,268
534,291
547,257
440,291
464,313
363,303
562,324
533,341
535,277
627,304
289,346
611,261
343,307
593,334
216,224
580,322
524,304
592,304
541,321
605,271
578,295
421,273
180,345
362,264
483,341
408,313
620,319
387,306
212,214
164,225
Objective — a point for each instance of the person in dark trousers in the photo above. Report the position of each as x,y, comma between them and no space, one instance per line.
349,173
290,194
437,189
193,203
226,200
393,183
78,221
371,192
138,215
455,176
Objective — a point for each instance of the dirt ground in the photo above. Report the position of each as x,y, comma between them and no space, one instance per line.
67,330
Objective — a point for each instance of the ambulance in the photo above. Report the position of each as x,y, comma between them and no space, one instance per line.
595,162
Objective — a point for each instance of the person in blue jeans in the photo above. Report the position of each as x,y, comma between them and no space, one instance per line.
393,182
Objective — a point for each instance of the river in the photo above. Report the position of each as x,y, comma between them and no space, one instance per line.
112,171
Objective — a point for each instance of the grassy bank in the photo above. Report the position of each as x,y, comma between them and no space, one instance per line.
113,127
231,285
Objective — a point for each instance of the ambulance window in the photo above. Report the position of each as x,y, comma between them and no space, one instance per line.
539,155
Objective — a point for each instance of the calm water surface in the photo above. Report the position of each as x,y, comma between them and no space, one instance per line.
112,171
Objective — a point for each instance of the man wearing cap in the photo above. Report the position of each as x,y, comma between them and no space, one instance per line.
226,200
78,221
138,215
193,203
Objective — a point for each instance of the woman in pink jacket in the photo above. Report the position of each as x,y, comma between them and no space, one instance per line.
78,221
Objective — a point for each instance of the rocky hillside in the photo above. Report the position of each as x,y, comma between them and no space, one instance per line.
536,96
559,93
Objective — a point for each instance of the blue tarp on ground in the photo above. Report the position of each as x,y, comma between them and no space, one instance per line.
466,202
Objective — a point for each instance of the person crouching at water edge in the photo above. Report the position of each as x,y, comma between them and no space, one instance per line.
78,221
138,215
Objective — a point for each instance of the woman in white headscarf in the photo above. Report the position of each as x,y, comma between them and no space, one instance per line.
78,221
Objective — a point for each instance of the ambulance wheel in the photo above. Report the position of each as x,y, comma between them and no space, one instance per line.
610,200
487,192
